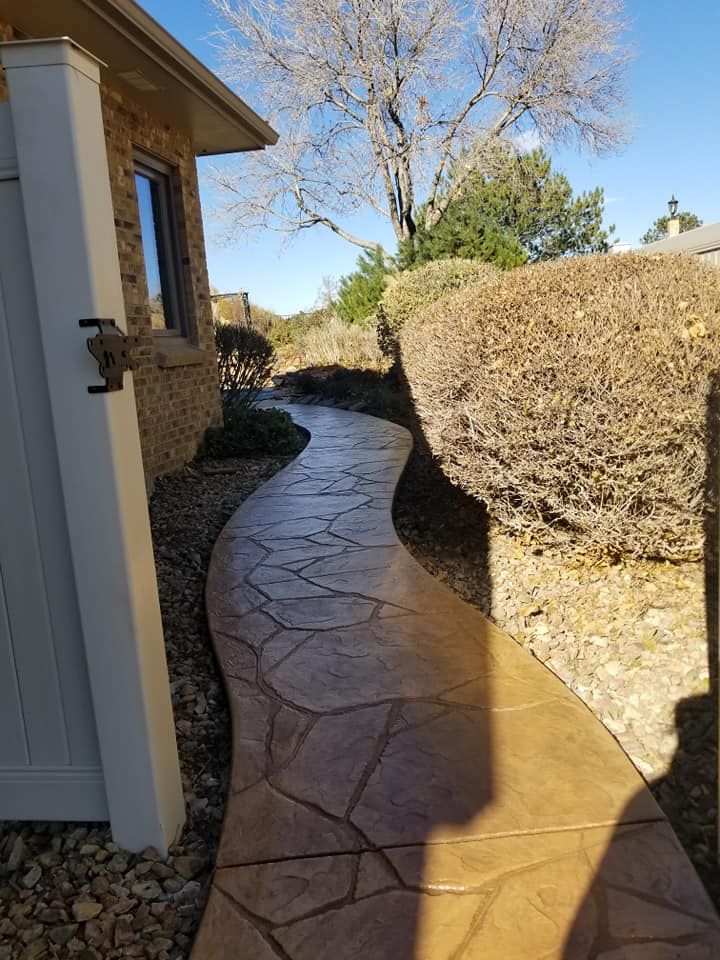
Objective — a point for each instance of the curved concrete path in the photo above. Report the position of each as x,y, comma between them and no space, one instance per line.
407,782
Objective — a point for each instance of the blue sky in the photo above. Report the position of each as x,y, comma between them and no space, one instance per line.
675,148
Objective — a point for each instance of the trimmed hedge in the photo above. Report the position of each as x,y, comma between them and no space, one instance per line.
412,290
572,396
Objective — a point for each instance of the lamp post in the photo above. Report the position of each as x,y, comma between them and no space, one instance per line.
673,224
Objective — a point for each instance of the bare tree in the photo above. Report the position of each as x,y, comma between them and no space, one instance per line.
379,101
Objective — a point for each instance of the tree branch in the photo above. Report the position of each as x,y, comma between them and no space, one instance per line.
378,103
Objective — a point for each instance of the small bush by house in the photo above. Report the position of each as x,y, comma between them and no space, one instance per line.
572,396
412,290
249,432
245,358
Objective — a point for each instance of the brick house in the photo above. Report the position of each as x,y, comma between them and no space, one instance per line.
161,108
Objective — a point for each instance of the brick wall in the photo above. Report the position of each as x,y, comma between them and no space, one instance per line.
6,33
175,404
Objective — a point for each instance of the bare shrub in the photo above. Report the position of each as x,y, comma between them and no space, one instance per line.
245,358
412,290
344,344
572,397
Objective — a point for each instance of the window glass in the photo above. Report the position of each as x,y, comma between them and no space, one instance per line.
160,244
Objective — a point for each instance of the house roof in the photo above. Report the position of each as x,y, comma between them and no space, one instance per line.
148,65
700,240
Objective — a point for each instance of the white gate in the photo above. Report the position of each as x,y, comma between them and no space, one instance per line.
49,756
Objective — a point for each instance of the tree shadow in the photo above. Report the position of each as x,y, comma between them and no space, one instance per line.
688,793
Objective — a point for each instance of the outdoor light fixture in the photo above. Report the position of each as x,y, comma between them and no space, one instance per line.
672,207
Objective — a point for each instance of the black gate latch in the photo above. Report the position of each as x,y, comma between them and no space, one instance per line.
111,349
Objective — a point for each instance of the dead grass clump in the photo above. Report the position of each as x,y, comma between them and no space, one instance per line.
572,396
345,344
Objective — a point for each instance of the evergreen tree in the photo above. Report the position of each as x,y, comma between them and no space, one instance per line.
523,211
359,293
658,231
464,232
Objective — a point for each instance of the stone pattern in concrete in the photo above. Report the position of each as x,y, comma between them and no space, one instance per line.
408,783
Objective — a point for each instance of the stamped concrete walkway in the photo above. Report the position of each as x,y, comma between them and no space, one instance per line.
408,783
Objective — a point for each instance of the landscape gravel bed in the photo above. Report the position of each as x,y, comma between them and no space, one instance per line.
66,890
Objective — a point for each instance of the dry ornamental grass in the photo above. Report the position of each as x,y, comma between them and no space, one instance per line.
336,342
572,396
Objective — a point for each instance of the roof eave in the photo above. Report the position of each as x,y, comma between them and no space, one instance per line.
150,67
187,67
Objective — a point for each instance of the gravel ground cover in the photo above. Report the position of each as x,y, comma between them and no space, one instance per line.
66,890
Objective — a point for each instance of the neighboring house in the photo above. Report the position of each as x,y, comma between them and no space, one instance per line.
101,116
161,108
704,242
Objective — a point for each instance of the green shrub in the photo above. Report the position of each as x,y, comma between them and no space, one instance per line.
342,384
380,392
412,290
304,382
245,358
251,433
572,396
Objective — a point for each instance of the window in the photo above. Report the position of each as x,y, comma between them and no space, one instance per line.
160,246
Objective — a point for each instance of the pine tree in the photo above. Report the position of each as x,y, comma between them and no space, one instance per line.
359,293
